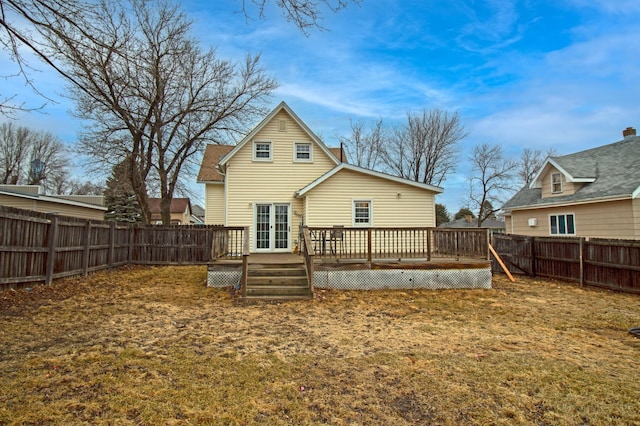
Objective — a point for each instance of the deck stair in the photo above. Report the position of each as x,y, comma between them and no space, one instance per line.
277,281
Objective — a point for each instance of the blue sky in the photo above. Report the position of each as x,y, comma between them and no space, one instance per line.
538,74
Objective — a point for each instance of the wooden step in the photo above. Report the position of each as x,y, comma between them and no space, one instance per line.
277,282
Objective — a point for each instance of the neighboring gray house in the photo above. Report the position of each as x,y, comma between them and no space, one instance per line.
592,193
495,226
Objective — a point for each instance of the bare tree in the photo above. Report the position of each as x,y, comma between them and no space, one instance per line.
426,148
530,163
29,157
365,146
21,19
153,97
304,14
491,180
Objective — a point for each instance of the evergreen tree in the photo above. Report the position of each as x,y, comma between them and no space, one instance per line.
120,199
442,215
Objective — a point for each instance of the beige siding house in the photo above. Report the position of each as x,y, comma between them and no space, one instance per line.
282,176
592,193
180,210
31,197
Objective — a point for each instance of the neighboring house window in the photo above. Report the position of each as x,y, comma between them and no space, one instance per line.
562,224
262,151
362,213
303,152
556,183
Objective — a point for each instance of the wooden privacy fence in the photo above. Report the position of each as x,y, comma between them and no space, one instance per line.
39,247
610,264
398,243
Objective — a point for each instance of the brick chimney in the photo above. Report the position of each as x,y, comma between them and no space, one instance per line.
628,132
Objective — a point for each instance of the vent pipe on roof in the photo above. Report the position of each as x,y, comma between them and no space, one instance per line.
341,152
628,132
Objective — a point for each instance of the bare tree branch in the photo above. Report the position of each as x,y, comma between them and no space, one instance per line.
426,148
530,162
365,146
304,14
491,181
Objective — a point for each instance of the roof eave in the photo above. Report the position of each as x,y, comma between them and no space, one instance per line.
570,203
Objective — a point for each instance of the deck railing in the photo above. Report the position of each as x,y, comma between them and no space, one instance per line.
469,243
398,243
309,254
229,242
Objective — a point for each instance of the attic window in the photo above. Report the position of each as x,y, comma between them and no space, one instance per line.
556,183
303,152
282,125
262,151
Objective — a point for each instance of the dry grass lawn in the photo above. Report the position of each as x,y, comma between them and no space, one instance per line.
151,346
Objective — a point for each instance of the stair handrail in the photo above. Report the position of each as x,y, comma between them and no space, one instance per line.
309,254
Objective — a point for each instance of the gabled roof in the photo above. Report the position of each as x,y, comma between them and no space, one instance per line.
584,171
347,166
178,205
282,106
464,223
608,172
209,171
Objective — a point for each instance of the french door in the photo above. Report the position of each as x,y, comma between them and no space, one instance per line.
272,227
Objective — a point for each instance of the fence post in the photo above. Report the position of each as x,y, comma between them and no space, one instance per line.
581,251
85,253
532,241
486,247
131,237
51,253
112,238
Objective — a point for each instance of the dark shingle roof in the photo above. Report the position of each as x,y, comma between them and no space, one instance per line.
209,166
614,168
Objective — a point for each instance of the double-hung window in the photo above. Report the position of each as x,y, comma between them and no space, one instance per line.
556,183
562,224
362,214
303,152
262,151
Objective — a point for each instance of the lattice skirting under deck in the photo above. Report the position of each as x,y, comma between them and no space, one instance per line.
404,279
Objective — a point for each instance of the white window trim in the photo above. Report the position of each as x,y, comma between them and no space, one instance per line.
552,183
353,212
253,150
295,153
558,234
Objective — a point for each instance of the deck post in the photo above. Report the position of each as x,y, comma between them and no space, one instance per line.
429,236
369,256
245,262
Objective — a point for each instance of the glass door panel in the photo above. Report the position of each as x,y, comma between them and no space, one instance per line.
263,226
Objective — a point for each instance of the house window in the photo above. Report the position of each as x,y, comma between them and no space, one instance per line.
562,224
262,151
303,152
362,213
556,183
